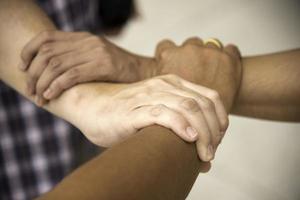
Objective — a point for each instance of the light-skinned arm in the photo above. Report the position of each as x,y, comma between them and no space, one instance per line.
109,113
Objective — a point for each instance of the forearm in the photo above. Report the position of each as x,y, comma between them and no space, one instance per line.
142,167
270,87
23,20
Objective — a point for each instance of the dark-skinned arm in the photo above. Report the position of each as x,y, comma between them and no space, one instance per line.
153,164
270,87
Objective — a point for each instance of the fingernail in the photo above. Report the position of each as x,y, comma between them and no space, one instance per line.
47,94
37,100
210,152
192,133
29,90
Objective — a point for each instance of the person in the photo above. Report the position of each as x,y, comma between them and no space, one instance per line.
191,46
267,89
148,174
36,149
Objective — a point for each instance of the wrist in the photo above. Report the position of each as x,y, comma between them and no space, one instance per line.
72,103
147,67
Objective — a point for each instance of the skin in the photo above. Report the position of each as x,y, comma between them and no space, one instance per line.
270,87
167,97
142,167
11,77
82,100
264,86
255,95
55,58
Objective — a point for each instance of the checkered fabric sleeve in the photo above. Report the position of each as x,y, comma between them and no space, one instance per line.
37,149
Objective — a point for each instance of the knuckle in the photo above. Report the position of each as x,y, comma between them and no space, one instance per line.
46,48
189,47
173,77
156,82
165,55
206,104
214,95
190,104
157,110
46,34
54,62
163,43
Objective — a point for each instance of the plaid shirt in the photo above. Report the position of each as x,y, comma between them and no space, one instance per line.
36,149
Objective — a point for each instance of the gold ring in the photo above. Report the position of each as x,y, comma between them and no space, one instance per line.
214,41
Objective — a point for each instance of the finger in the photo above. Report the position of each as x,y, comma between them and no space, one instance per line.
32,47
215,98
37,66
233,51
191,111
205,167
162,46
160,114
208,110
213,43
193,41
204,91
56,48
57,66
41,62
68,79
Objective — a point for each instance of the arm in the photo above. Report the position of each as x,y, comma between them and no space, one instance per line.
19,27
265,86
124,164
108,113
142,167
270,87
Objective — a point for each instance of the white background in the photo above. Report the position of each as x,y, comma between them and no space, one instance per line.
258,160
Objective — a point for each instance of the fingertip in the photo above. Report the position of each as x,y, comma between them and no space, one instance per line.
206,153
233,50
22,66
48,94
162,46
193,40
224,125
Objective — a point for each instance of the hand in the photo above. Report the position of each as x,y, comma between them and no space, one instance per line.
55,61
207,65
112,115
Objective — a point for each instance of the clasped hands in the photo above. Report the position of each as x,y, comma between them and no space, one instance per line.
188,89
